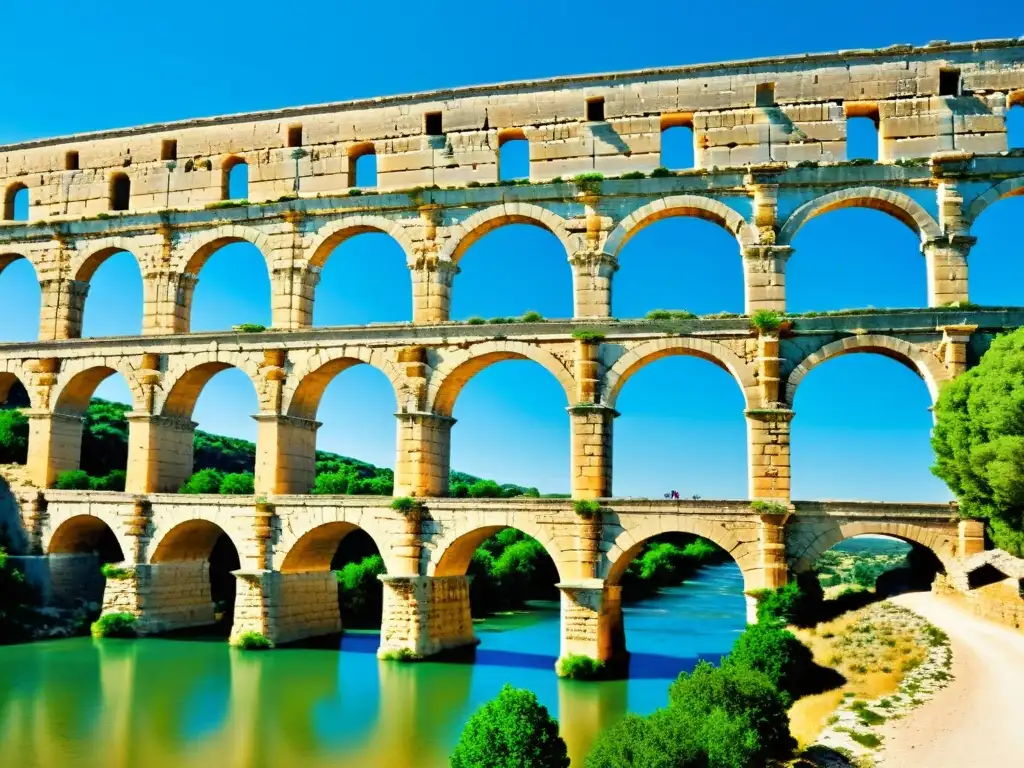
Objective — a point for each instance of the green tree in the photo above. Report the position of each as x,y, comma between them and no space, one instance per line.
238,483
13,437
512,731
204,481
662,740
360,593
776,653
331,483
72,480
979,440
17,599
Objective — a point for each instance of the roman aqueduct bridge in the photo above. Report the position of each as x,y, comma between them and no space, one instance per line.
770,154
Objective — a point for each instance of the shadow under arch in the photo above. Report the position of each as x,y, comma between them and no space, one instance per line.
453,556
76,551
315,549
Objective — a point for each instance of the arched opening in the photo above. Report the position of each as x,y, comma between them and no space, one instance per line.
996,261
682,265
513,156
22,299
1015,126
78,549
362,166
365,279
862,432
680,433
113,306
515,269
191,557
235,179
233,287
16,202
855,259
862,138
120,192
876,564
102,459
13,422
678,151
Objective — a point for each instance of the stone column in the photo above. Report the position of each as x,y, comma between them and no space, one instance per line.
591,427
768,363
62,306
285,454
432,291
592,284
592,621
292,291
159,453
970,537
286,607
54,445
768,453
946,262
955,339
424,454
167,302
764,277
425,615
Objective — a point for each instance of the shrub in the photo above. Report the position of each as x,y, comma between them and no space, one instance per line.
355,192
579,667
590,337
203,481
586,508
475,321
776,653
72,480
402,654
360,593
249,328
681,314
532,317
331,483
13,436
114,625
769,507
405,504
513,729
766,320
17,600
114,481
252,641
659,314
661,173
111,571
634,175
662,740
237,483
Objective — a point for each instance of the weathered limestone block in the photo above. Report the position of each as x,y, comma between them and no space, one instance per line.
292,291
286,607
764,277
592,284
424,454
163,596
159,453
970,537
592,621
167,302
432,291
55,445
591,427
768,433
946,263
285,454
425,615
62,305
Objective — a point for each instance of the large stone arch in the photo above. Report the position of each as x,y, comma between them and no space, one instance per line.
451,552
1008,188
463,235
333,234
306,384
312,547
448,379
896,204
91,255
13,372
187,376
9,257
632,360
197,250
700,207
79,379
191,539
920,361
941,543
79,533
741,542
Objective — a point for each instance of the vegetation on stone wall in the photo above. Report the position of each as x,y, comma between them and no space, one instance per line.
979,440
114,625
17,602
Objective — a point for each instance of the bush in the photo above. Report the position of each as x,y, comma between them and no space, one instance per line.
111,482
475,321
586,508
659,314
249,328
405,504
360,593
532,317
331,483
484,489
512,731
72,480
774,652
203,481
111,571
578,667
237,483
252,641
769,507
590,337
662,740
766,320
114,625
17,601
13,437
661,173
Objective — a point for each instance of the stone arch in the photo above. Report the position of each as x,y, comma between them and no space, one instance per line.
640,356
463,235
920,361
452,553
314,375
941,544
448,379
79,380
87,260
184,382
197,251
896,204
331,235
9,195
313,549
1008,188
697,206
13,372
192,540
6,259
84,533
741,544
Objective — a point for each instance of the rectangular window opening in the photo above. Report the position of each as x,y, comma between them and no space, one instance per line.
949,82
71,161
432,124
294,135
764,96
861,138
595,110
169,149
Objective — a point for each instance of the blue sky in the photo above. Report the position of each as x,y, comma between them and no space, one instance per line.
862,422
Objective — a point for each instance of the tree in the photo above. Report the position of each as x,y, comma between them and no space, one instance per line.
512,731
13,437
979,440
238,483
204,481
776,653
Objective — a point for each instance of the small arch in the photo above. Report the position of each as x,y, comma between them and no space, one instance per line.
513,155
362,165
632,360
186,386
678,142
466,233
120,192
923,363
16,202
316,374
86,262
1008,188
315,549
942,545
234,179
86,533
190,540
12,384
75,392
198,250
332,235
77,549
449,379
705,208
452,556
898,205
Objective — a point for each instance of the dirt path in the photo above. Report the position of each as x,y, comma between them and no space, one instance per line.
975,721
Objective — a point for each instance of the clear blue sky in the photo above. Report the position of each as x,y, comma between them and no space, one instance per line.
862,423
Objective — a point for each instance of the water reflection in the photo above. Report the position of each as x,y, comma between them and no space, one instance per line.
163,702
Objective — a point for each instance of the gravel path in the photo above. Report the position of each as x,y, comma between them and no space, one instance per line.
976,720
